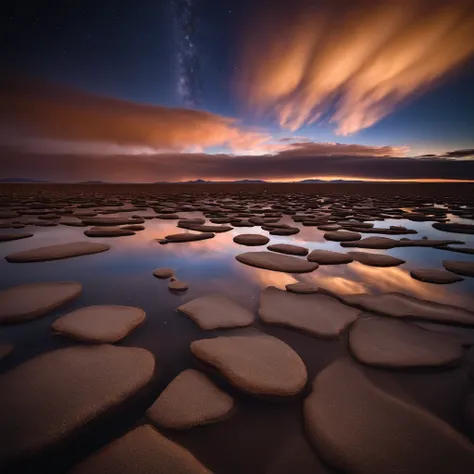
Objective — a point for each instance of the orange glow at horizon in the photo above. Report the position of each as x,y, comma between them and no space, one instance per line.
381,180
351,64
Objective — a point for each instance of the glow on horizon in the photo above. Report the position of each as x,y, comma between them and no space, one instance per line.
328,179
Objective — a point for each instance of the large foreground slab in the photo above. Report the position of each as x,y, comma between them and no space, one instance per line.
360,429
141,451
50,397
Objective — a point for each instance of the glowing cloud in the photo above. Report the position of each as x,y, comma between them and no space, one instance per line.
62,120
351,63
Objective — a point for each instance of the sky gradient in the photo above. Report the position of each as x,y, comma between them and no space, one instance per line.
274,90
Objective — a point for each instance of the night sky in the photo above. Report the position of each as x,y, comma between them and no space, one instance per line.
277,90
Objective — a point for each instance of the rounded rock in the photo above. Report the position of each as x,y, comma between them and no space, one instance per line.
459,267
251,239
375,259
430,275
289,249
276,262
163,273
177,285
141,451
314,314
191,399
100,323
51,397
25,302
216,311
261,365
57,252
328,257
385,342
342,236
359,428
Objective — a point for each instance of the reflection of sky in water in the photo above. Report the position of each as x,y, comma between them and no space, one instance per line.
209,265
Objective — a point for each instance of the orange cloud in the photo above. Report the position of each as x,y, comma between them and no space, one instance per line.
350,62
85,123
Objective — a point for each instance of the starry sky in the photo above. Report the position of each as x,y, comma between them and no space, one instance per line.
266,89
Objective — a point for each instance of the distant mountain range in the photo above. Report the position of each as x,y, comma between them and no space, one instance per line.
21,180
259,181
196,181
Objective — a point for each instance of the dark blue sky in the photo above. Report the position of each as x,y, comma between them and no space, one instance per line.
131,50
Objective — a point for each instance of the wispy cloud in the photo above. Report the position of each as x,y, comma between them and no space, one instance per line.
351,63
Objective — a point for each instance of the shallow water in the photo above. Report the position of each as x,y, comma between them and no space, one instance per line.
261,434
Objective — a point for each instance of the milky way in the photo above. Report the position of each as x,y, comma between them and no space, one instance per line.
187,58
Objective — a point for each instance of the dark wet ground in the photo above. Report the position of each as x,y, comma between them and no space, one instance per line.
263,436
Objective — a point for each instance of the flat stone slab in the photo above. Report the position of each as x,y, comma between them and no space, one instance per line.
376,259
108,232
111,221
276,262
57,252
301,287
216,311
342,236
385,243
191,399
399,305
251,239
431,275
454,227
261,365
168,216
315,314
459,267
141,451
207,228
177,285
357,427
329,227
285,231
189,237
328,257
466,250
99,323
10,237
25,302
163,272
51,397
386,342
196,220
5,349
289,249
